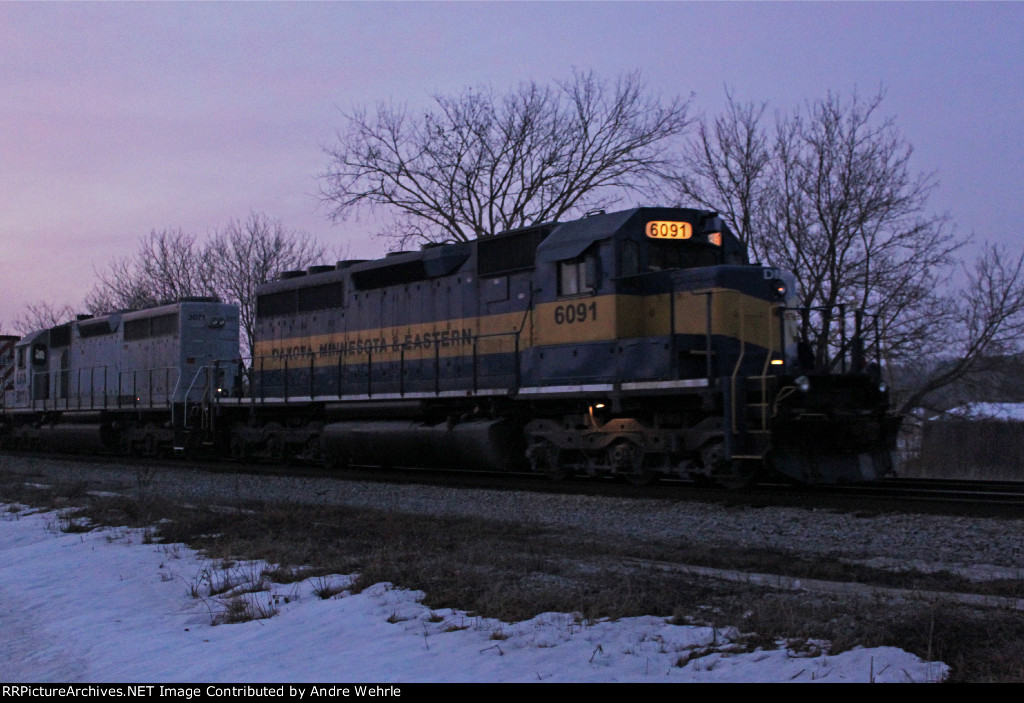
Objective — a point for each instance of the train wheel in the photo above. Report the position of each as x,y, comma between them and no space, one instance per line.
627,460
712,457
313,451
545,458
237,448
273,444
275,448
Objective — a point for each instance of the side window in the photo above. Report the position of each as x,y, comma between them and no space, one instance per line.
39,355
577,276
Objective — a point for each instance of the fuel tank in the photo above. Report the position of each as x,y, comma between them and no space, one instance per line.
78,437
495,445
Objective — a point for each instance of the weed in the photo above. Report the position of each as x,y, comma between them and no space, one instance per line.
395,617
238,593
325,588
73,523
452,626
279,598
244,607
145,475
172,551
287,574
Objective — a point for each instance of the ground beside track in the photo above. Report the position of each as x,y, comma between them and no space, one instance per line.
514,554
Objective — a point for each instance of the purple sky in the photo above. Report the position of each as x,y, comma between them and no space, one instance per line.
116,119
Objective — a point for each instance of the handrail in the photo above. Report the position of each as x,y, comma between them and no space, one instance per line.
736,368
767,364
53,398
62,395
206,390
847,346
709,340
430,351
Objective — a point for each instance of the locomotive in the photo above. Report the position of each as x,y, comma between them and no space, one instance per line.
639,344
118,382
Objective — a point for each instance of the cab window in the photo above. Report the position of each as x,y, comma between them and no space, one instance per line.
577,276
662,256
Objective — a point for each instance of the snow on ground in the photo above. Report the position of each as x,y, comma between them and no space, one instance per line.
991,411
104,606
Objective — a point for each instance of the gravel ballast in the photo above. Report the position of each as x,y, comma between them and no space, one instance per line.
977,548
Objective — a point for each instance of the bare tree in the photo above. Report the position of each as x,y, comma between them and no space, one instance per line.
168,265
828,193
726,168
982,323
480,162
847,214
254,251
229,265
41,316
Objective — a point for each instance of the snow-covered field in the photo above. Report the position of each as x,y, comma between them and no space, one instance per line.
103,606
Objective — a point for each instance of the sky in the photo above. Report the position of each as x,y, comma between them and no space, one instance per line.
104,606
117,119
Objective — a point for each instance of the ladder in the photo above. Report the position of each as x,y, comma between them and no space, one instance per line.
749,406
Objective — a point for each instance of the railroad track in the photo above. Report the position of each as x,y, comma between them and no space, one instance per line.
998,499
929,496
1009,493
956,485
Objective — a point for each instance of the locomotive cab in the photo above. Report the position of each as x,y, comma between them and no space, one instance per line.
29,358
652,294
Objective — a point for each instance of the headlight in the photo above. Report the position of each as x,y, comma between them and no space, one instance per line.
883,387
803,384
779,288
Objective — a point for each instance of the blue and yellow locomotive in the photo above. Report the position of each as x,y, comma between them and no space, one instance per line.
639,343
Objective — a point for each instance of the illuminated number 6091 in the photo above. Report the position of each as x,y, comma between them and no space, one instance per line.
669,230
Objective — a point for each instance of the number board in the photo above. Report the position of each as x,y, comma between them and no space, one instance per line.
661,229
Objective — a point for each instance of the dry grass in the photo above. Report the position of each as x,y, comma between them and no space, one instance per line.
516,571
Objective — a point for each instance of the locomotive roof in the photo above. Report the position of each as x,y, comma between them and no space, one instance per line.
397,267
32,337
569,239
109,322
566,240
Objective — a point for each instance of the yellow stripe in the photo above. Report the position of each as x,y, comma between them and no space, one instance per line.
569,321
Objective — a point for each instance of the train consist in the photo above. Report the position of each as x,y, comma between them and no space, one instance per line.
638,344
